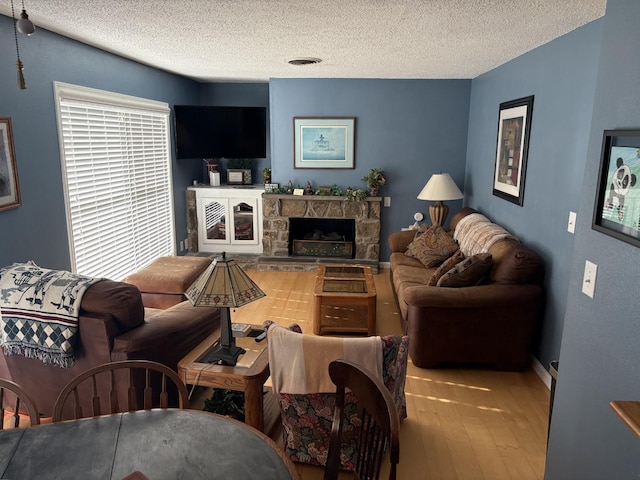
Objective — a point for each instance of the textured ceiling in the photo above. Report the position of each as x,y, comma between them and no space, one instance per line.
251,40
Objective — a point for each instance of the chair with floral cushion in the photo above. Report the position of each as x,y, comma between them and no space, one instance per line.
379,428
307,418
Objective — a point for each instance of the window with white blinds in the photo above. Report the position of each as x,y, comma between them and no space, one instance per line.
116,168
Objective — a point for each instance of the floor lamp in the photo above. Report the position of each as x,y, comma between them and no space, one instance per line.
439,188
224,284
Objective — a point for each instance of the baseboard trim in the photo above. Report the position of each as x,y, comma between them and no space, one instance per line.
542,372
386,265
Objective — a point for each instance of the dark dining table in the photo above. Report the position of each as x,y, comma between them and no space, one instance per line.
161,444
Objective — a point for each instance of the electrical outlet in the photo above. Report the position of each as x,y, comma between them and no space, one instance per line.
182,246
387,201
589,278
571,226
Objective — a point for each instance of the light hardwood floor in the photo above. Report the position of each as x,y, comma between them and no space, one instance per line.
462,423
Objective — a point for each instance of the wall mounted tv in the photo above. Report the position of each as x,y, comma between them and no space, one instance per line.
216,132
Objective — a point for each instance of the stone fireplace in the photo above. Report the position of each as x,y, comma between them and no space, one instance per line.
280,212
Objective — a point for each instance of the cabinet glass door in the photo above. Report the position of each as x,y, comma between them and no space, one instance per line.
244,220
215,213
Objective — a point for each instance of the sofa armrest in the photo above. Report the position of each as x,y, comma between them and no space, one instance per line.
167,336
482,296
399,241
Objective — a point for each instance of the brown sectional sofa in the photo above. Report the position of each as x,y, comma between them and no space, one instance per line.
114,325
491,323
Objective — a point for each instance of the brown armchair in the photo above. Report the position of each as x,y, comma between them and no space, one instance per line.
113,325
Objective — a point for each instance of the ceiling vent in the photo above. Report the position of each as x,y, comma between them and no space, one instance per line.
304,61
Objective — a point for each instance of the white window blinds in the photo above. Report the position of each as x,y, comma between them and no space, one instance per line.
117,172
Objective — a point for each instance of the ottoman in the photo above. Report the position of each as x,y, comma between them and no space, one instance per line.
163,282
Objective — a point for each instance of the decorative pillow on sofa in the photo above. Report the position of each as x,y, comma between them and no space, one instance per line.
467,273
432,246
447,265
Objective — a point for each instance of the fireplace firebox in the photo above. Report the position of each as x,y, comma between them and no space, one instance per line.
322,237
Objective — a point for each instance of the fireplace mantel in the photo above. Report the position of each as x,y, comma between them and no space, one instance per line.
278,209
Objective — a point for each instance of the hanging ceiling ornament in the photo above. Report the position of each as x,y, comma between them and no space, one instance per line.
24,25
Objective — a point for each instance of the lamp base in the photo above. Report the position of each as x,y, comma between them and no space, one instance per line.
438,213
224,355
225,352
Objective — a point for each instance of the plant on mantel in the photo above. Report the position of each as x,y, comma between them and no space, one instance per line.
374,180
351,194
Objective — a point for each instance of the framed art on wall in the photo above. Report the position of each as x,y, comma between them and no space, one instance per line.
617,205
514,128
324,142
9,187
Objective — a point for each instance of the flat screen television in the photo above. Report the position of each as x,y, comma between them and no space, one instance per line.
216,132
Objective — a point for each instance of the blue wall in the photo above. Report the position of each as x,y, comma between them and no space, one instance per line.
37,229
410,128
561,75
600,354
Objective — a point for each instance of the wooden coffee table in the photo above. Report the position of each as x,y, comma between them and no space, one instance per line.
344,300
248,375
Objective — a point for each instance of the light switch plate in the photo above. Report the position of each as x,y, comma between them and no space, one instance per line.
589,279
387,201
571,226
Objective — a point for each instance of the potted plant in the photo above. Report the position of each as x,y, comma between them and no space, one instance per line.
226,402
266,175
374,180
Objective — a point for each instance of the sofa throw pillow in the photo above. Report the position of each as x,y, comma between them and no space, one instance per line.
432,246
467,273
447,265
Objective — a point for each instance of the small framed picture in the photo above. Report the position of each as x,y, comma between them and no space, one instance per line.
9,187
235,177
617,204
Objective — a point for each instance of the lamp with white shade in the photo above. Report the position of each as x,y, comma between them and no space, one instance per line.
439,188
224,284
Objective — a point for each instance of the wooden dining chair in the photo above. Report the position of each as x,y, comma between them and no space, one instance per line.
380,427
103,403
15,398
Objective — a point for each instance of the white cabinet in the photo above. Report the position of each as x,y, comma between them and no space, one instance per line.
229,219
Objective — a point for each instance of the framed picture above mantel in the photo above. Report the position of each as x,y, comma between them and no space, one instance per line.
9,187
617,204
324,142
514,128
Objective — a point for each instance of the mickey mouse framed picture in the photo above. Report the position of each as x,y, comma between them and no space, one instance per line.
617,204
9,188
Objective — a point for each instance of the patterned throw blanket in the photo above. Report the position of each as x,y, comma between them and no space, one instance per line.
39,311
299,363
475,234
